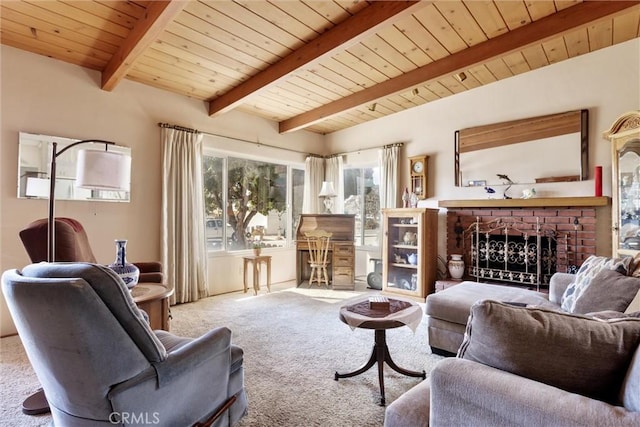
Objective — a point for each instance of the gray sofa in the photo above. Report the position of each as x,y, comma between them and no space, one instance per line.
547,368
448,310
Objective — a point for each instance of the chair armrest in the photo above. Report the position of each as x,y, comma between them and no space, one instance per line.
558,283
180,361
468,393
186,387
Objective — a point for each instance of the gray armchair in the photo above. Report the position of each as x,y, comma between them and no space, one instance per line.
99,362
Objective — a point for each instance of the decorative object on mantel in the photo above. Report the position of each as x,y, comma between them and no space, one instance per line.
128,272
528,193
598,181
456,266
489,191
507,181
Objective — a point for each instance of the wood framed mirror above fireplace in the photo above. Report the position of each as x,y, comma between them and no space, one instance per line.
550,148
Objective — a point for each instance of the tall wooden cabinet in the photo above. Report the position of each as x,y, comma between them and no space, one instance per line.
624,135
409,251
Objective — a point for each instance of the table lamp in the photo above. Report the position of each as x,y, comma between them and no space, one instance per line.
328,193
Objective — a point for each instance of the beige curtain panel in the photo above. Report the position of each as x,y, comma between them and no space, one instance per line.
184,252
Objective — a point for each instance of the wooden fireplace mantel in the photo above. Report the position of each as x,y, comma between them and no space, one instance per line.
537,202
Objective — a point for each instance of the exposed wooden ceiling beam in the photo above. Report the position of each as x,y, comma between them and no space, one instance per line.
158,15
359,26
534,33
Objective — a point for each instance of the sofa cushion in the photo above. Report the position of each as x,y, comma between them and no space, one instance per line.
589,269
453,304
609,290
575,353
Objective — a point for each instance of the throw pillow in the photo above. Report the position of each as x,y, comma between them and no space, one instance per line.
572,352
587,271
608,290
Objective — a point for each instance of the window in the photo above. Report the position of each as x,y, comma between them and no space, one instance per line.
297,195
362,199
246,200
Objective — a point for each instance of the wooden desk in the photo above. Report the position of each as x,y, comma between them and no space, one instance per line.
256,260
153,298
341,248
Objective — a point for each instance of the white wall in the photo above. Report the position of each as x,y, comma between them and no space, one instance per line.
42,95
606,82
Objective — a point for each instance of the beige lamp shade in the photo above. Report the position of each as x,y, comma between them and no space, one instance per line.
103,170
327,190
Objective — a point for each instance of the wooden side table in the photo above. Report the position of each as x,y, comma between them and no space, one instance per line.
256,261
153,298
398,314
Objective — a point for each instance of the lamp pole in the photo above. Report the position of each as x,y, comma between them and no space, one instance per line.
52,188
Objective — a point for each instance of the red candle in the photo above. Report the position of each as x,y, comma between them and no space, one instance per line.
598,178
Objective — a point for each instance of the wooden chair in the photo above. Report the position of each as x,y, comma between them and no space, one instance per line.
319,242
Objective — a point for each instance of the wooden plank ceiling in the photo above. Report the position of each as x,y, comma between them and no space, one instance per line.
315,65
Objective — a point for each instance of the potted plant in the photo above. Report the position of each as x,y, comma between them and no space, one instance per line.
257,247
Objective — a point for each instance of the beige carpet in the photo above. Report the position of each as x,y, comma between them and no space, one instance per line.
293,343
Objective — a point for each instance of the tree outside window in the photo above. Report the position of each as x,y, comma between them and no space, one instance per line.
252,205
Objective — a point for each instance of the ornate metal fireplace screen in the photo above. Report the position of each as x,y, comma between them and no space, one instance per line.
510,250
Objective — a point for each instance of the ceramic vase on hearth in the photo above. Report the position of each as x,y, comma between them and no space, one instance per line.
456,266
128,272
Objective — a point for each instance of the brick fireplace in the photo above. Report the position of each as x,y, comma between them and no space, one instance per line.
570,221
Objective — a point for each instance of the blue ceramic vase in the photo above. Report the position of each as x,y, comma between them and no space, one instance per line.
128,272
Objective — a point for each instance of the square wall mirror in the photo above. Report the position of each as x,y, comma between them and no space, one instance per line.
34,160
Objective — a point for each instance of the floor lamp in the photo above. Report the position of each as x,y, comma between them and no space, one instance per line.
97,170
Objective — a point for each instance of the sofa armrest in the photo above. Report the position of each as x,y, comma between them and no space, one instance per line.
464,392
558,283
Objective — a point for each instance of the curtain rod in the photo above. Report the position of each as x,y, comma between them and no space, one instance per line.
396,144
260,144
